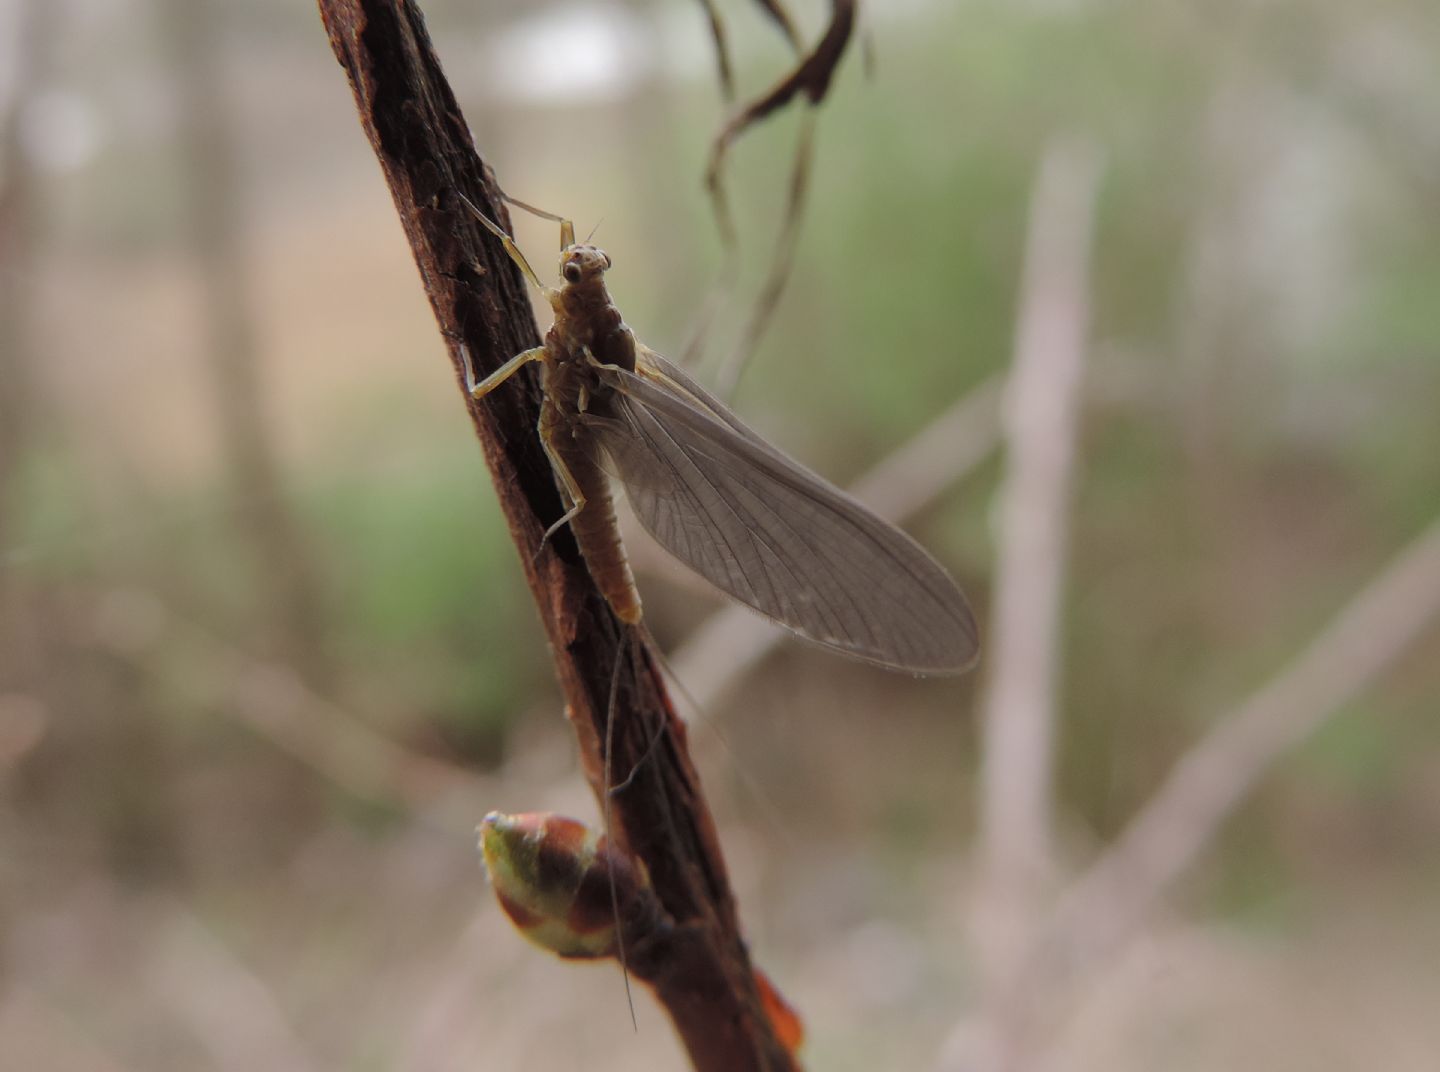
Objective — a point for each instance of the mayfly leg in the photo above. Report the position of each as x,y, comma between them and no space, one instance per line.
509,243
571,487
573,492
480,388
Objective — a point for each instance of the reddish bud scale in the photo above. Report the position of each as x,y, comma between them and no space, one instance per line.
785,1021
560,883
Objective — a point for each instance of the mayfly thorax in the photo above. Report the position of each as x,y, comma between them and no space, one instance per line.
750,520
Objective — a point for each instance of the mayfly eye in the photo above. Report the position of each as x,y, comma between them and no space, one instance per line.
572,272
607,259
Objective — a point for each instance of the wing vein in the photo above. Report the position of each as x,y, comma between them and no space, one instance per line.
769,532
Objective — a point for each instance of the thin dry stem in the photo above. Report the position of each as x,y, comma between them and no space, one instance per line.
1040,418
233,1012
812,76
274,701
1103,908
724,71
781,264
1215,776
781,18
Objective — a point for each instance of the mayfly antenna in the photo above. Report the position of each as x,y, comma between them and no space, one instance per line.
567,228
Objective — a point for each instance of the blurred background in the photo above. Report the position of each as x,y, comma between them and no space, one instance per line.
266,656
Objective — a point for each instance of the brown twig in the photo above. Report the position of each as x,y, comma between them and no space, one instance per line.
424,147
782,19
725,69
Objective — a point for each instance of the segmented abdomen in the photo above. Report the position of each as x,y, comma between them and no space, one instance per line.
594,527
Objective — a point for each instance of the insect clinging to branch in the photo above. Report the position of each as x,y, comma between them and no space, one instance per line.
749,519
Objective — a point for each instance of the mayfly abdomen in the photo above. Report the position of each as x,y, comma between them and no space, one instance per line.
599,538
595,529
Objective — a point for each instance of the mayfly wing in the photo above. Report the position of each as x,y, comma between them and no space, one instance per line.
772,534
671,376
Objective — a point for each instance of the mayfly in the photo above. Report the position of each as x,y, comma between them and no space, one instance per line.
753,522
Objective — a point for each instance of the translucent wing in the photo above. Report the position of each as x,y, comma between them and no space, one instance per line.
772,534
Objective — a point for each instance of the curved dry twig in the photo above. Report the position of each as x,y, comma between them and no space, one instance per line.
781,18
768,300
811,75
724,69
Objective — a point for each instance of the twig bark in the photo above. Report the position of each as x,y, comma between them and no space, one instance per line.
420,137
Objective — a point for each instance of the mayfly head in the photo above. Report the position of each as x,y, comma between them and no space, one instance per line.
580,263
